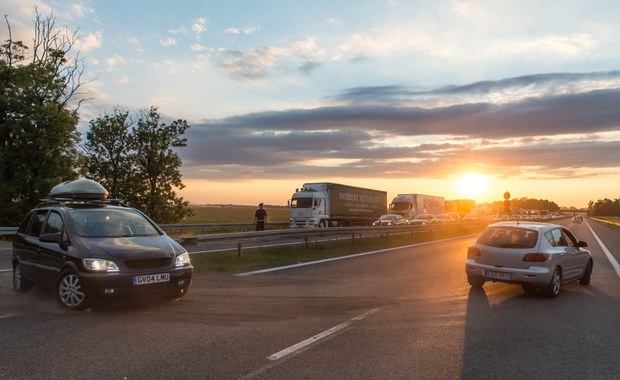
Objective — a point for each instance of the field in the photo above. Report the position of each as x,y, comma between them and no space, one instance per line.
235,214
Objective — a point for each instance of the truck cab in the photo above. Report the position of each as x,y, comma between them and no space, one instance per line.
309,208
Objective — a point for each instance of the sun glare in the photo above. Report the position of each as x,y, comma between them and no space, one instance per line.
472,185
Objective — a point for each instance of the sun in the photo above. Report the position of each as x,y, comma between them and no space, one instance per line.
472,185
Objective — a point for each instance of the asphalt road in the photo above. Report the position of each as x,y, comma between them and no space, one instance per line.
406,313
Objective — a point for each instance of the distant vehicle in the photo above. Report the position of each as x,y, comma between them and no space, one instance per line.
471,217
537,256
326,204
410,205
90,248
460,207
389,220
577,219
422,219
444,218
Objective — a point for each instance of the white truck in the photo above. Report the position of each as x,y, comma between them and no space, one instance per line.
410,205
327,204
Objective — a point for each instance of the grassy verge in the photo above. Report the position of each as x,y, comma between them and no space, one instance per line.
269,257
612,221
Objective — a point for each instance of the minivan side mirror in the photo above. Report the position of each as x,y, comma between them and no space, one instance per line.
50,238
582,244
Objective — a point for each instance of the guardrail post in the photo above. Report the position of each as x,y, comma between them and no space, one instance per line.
306,240
239,250
353,238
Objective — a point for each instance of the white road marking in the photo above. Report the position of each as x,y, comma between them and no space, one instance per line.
610,257
346,257
296,347
9,315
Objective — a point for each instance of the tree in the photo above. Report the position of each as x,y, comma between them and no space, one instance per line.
38,133
159,166
137,163
108,153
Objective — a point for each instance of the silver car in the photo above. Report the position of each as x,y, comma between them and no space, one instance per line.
537,256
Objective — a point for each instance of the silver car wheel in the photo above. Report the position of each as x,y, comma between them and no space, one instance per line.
553,289
70,292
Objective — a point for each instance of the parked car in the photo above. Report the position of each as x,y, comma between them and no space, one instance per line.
422,219
90,248
537,256
389,220
577,219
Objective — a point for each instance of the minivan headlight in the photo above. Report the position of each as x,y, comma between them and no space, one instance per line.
182,260
100,265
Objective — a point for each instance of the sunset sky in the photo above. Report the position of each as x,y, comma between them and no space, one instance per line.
462,99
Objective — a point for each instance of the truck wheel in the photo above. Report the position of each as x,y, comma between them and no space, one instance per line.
322,223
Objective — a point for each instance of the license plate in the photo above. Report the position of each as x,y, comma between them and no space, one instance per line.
498,275
151,278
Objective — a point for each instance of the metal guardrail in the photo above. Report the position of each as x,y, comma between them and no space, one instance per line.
8,230
305,234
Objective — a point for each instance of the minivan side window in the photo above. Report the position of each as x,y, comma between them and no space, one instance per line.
24,226
37,223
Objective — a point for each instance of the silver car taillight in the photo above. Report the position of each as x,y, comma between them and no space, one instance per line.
473,252
535,257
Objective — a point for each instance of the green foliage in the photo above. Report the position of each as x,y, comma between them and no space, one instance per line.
38,134
137,163
604,207
108,157
530,204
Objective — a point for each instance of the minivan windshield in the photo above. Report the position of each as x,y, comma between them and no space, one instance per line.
109,222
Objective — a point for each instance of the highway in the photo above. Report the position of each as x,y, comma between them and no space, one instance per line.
406,313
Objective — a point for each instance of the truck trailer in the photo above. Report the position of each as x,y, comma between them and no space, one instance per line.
327,204
410,205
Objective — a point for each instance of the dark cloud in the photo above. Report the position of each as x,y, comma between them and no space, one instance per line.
280,144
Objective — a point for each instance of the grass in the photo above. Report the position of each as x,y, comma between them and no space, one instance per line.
268,257
611,221
235,214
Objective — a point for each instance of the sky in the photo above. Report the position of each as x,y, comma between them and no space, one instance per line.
456,98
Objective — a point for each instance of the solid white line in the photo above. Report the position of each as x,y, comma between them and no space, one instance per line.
6,270
296,347
345,257
610,257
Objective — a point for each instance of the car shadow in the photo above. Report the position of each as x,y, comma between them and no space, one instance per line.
516,335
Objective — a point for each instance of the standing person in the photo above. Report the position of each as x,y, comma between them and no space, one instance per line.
260,218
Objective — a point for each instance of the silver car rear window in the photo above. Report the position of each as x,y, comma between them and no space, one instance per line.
508,237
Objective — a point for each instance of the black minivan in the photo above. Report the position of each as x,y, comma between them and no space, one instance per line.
90,248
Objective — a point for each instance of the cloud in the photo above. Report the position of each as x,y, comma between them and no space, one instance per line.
89,42
559,134
167,42
199,26
255,64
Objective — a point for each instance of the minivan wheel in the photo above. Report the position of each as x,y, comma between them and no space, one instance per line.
69,291
20,284
553,289
585,280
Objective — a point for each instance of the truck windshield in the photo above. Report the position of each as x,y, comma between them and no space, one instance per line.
301,203
400,206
